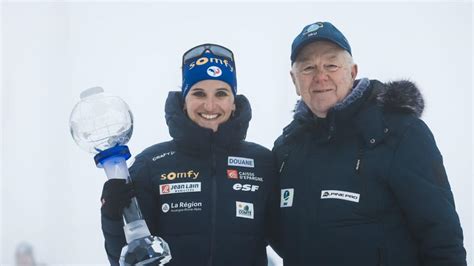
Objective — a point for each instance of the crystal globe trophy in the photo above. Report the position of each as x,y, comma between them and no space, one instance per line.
102,124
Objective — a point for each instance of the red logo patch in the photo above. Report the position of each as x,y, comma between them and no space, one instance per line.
232,174
165,189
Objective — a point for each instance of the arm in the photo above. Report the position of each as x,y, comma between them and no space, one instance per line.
272,215
421,188
115,196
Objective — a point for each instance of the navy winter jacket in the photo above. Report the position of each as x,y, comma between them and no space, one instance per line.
211,196
366,185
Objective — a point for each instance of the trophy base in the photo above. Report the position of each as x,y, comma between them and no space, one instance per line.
149,250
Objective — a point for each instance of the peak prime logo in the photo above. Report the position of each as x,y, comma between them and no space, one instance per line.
341,195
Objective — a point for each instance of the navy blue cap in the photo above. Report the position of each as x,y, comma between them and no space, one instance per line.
208,66
319,31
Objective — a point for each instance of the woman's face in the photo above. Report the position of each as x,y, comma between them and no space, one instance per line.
209,103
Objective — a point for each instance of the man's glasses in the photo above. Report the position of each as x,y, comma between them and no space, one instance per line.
215,49
311,70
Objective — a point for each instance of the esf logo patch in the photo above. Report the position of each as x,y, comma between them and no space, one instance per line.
245,187
240,161
175,188
341,195
180,175
244,209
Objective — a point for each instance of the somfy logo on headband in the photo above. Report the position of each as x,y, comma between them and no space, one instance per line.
214,71
205,60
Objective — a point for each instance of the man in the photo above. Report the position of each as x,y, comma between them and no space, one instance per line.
362,181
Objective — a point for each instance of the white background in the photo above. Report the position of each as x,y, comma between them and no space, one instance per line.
50,188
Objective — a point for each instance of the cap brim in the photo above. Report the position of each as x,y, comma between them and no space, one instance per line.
298,48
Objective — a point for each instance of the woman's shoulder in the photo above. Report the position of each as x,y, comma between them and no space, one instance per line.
157,150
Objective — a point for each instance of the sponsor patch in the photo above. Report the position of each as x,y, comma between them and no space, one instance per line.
240,161
341,195
250,176
181,206
245,187
214,71
286,199
244,209
157,157
165,207
180,175
185,187
232,174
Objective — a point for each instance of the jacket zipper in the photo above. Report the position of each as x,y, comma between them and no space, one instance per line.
283,162
360,154
213,205
380,257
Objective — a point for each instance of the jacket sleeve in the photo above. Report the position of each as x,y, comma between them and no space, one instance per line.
114,239
418,180
272,217
113,230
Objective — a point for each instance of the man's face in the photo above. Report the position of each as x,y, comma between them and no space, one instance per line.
323,74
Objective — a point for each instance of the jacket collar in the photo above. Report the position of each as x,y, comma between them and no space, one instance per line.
190,136
363,108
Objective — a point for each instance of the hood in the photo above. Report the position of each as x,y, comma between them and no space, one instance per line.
400,95
190,135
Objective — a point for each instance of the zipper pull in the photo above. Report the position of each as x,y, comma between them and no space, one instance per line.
285,158
281,167
357,165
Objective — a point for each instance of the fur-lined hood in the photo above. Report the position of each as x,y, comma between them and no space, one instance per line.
400,95
369,99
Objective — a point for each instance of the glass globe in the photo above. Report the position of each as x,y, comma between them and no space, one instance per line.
100,121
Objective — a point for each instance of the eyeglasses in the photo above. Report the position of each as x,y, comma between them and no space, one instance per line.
215,49
310,70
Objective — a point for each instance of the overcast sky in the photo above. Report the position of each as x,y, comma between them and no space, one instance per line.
51,52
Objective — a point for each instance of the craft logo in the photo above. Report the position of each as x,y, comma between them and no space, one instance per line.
157,157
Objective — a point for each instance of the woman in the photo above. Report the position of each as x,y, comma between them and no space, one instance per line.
208,193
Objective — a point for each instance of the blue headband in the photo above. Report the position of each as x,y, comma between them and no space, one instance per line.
208,66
